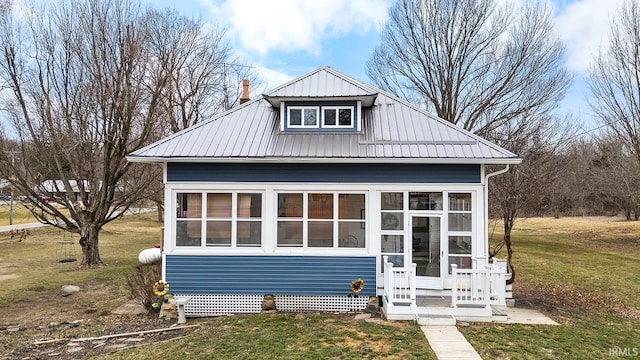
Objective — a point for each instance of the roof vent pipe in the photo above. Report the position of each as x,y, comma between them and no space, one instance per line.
245,91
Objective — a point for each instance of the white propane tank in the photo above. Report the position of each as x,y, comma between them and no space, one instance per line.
147,256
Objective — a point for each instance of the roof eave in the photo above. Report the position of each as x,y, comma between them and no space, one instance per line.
480,161
367,100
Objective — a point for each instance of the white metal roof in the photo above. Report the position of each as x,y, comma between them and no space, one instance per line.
322,83
392,130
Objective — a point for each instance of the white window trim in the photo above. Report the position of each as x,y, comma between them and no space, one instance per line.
335,221
470,233
269,206
234,219
303,109
337,109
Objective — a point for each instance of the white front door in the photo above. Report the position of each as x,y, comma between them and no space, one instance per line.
426,250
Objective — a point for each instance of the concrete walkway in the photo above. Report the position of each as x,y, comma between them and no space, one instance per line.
527,316
449,344
7,228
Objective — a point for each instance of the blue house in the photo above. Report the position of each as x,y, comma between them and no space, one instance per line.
321,181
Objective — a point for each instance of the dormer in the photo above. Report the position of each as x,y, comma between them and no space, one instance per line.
322,101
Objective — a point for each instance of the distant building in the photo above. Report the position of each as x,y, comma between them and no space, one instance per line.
55,189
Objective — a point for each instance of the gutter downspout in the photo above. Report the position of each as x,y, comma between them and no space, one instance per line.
486,209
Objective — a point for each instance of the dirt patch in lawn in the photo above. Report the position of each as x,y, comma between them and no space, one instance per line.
566,302
7,276
48,325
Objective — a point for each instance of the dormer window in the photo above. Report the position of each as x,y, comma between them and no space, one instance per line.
302,117
320,115
338,117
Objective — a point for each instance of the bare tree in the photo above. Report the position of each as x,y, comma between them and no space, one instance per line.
203,77
489,68
474,63
616,176
538,141
84,85
615,79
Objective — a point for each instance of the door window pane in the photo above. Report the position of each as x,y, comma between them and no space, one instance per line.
425,243
425,201
290,233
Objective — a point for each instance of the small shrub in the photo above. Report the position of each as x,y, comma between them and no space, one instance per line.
141,283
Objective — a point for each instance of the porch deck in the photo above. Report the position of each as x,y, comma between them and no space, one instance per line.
437,310
477,295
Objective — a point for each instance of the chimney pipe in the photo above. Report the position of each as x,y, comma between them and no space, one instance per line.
245,91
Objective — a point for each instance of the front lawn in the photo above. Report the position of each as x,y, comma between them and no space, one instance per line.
583,272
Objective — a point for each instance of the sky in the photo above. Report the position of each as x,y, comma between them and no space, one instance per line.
284,39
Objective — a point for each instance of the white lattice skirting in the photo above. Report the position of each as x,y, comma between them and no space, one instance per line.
215,305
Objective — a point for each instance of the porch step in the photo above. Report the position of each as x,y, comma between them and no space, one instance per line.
499,313
436,319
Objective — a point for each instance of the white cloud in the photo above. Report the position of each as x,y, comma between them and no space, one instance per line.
293,25
584,26
272,78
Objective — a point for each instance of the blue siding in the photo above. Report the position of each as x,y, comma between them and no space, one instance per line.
278,275
345,173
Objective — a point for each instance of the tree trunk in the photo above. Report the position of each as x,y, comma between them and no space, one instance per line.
89,244
160,207
508,226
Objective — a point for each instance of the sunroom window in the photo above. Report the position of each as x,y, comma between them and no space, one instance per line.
321,220
227,219
460,230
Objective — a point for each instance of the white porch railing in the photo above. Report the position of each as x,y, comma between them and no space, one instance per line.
399,284
478,287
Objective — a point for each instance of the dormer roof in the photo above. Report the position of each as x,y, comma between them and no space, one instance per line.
325,84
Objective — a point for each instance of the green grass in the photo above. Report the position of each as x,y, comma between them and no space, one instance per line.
31,271
290,336
20,214
585,272
31,266
590,338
